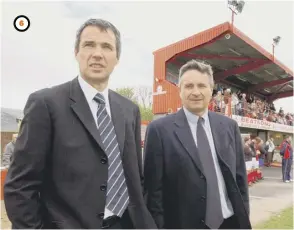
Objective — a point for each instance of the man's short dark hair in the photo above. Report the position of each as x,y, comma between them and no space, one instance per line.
199,66
103,25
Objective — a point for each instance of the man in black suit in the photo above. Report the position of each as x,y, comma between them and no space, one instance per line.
78,158
195,175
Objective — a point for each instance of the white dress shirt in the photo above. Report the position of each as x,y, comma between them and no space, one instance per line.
90,92
226,204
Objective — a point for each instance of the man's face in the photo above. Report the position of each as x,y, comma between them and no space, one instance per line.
97,55
14,137
195,91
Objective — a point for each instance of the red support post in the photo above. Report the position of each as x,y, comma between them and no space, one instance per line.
241,69
270,84
281,95
222,57
233,17
273,52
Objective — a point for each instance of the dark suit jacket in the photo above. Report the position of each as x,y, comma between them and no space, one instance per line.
175,186
59,171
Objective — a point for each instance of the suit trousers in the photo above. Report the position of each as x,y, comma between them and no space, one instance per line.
286,168
230,223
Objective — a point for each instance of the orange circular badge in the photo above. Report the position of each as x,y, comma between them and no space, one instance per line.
21,23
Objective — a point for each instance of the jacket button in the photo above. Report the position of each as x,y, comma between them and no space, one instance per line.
202,221
103,161
103,187
101,215
202,176
203,198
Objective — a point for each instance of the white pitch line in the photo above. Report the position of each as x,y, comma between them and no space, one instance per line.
273,178
260,197
264,198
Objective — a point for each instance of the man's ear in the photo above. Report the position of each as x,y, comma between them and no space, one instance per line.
76,54
117,61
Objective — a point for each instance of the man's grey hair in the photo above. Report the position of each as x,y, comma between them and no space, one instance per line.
199,66
103,25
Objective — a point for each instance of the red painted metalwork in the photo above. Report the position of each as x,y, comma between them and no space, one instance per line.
198,40
261,50
176,62
270,84
281,95
228,83
241,69
273,51
281,87
162,103
181,54
233,16
221,57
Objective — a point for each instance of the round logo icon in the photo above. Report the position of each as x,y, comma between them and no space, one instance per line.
159,89
21,23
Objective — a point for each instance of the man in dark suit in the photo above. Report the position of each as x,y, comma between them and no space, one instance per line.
78,158
195,175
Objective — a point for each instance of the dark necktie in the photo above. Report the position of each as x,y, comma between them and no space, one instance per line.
214,217
117,197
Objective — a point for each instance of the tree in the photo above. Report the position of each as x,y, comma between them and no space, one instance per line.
127,92
142,97
146,113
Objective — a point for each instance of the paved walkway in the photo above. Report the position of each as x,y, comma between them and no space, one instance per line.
5,224
267,198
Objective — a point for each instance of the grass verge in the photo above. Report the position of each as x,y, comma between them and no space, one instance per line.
282,220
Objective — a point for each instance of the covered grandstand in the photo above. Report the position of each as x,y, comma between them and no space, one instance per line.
237,61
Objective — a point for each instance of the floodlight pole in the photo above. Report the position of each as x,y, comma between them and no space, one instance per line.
273,51
233,16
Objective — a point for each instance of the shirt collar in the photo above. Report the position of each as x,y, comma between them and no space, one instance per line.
90,92
194,118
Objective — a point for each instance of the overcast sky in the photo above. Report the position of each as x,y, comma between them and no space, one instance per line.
43,56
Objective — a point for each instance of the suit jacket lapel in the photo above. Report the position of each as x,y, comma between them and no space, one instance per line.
81,108
118,119
185,136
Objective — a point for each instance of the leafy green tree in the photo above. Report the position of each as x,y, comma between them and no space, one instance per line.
142,97
146,113
127,92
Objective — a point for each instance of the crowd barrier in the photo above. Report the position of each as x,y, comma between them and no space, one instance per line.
254,176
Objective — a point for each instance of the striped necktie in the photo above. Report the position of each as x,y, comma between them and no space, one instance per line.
117,197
